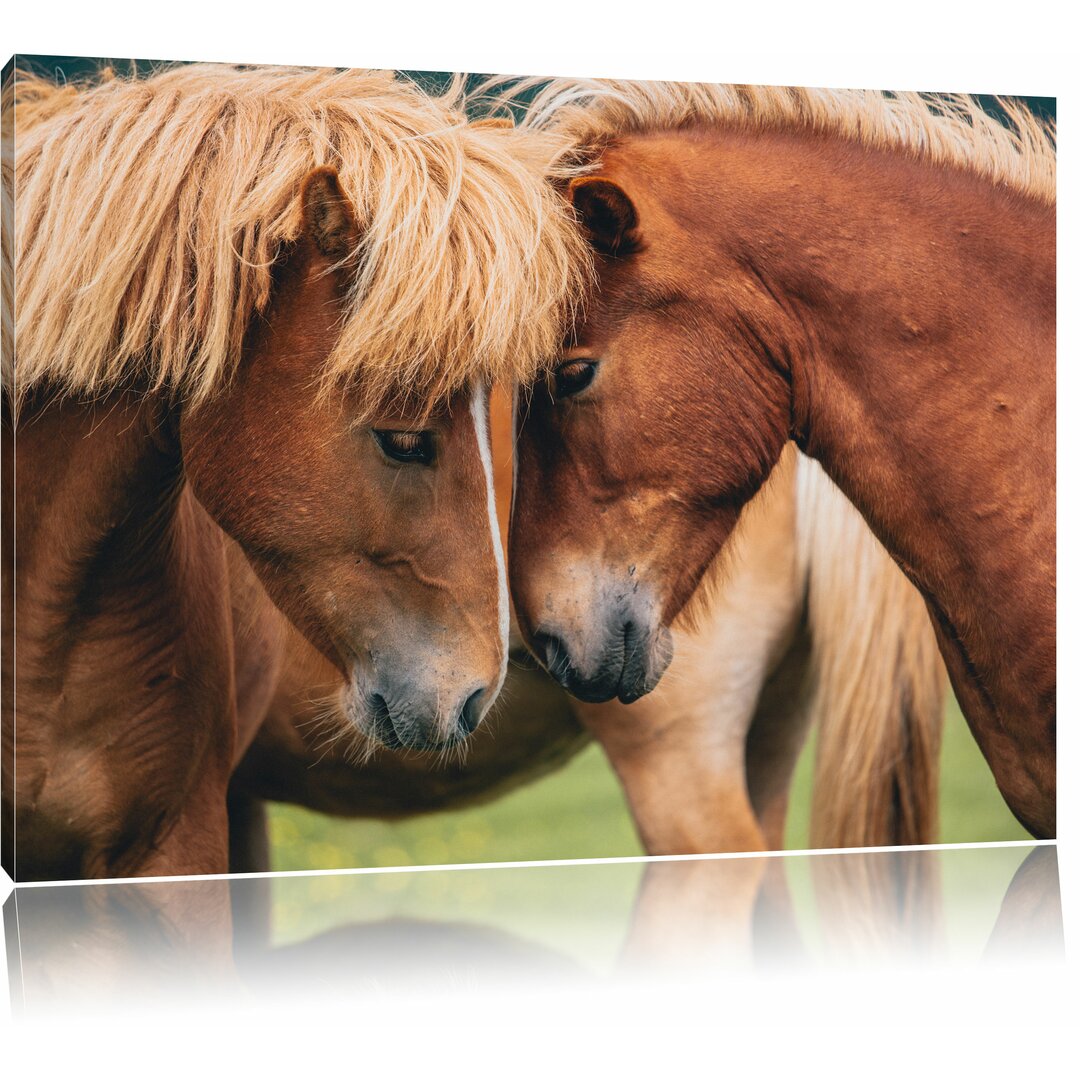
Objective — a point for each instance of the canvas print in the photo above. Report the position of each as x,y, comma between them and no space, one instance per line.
404,468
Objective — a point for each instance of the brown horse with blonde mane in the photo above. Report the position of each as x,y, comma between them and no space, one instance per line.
870,275
257,315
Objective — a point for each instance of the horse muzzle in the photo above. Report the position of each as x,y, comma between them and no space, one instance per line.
631,656
404,716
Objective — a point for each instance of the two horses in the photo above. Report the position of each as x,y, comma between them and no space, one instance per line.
256,485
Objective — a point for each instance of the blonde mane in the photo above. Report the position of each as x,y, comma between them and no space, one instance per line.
150,212
947,129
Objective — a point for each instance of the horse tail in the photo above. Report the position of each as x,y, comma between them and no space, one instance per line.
877,690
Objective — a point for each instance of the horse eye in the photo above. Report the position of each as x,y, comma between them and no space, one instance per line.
410,447
573,376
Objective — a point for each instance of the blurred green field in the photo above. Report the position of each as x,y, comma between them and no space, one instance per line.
579,813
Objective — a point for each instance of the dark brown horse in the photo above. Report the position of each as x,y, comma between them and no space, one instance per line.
871,276
174,527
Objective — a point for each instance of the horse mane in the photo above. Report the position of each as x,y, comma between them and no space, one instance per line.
947,129
150,213
7,231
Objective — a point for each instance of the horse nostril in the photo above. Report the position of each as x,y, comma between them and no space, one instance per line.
383,723
471,712
646,655
556,658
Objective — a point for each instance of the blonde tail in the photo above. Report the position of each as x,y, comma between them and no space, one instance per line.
878,690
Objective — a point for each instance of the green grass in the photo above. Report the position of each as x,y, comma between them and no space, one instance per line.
580,813
576,813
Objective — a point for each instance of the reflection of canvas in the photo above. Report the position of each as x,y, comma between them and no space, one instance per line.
293,343
354,938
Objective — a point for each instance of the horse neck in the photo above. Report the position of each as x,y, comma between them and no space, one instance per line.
106,493
918,307
122,637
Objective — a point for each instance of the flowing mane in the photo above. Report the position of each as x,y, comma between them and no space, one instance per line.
150,213
948,129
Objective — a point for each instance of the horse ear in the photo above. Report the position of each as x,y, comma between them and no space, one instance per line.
328,215
607,213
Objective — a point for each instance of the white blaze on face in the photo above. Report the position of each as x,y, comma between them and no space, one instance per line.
513,449
479,409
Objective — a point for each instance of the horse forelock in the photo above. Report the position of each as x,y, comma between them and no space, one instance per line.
150,214
580,117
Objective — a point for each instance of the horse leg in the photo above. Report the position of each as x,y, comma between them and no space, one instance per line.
249,843
679,755
249,853
776,736
775,739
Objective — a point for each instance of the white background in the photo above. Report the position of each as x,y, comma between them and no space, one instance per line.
879,1023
